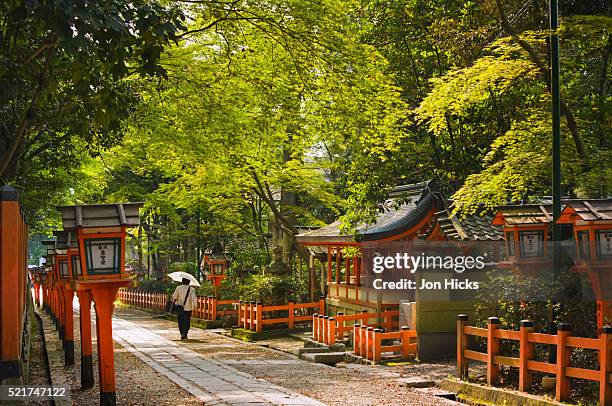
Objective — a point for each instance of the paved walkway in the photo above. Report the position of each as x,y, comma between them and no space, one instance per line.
212,382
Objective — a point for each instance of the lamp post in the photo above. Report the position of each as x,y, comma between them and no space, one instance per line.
66,246
101,231
51,278
556,154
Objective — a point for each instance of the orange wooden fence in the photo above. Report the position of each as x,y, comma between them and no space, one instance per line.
562,369
329,329
252,315
145,300
368,342
211,308
207,307
13,283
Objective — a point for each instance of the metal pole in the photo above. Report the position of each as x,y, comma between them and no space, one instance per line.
198,248
556,116
556,156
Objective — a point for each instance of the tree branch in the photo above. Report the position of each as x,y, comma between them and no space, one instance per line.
30,113
266,195
542,67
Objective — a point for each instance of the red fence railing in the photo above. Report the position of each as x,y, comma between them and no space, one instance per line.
211,308
252,315
207,307
329,329
368,342
143,299
526,338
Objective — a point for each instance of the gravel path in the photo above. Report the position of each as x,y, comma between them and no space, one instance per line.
348,385
136,382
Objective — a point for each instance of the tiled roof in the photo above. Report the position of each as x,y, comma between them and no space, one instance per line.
216,256
414,202
475,227
523,214
586,209
591,209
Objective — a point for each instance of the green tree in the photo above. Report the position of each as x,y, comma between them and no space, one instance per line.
65,79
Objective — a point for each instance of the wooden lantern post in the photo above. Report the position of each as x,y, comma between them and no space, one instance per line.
101,231
216,265
50,278
64,264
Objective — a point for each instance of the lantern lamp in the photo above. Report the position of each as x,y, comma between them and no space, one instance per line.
100,231
62,256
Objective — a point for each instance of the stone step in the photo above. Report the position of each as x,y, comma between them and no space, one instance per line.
313,350
327,358
415,382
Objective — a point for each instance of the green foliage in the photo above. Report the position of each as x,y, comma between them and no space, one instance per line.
153,285
497,110
67,78
188,267
262,288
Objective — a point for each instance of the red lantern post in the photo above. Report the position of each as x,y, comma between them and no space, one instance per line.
101,232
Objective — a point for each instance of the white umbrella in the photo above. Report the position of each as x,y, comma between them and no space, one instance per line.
178,277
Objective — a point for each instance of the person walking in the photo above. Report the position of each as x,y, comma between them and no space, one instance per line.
184,299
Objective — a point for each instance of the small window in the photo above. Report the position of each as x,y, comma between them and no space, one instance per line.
532,243
584,249
510,244
63,268
604,243
218,269
76,267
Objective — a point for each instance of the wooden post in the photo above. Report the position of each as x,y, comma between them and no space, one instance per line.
563,359
331,331
377,345
322,305
604,313
324,330
356,338
526,353
87,378
338,265
492,350
321,321
62,313
347,272
291,310
405,340
329,265
363,344
10,339
388,320
315,326
364,319
605,366
462,362
340,326
369,343
69,327
103,298
259,317
252,315
214,309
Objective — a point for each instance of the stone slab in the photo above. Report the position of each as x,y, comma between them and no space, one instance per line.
327,358
415,382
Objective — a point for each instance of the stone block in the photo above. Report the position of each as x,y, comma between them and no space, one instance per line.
327,358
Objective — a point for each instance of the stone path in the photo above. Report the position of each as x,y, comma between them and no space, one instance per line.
212,382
